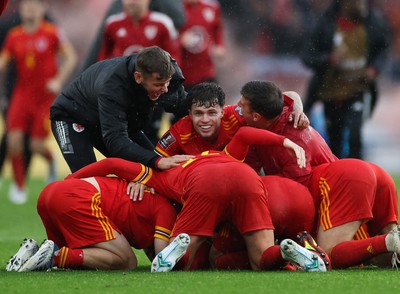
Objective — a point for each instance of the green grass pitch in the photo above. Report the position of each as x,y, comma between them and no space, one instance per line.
19,222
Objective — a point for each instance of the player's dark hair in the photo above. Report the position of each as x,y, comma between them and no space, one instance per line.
206,94
264,97
154,60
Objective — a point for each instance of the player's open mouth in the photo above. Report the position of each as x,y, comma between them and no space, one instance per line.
205,127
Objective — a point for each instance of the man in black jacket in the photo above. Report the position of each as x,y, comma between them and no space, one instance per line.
346,50
108,105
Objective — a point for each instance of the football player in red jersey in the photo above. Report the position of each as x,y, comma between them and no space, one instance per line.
202,41
210,125
137,27
347,193
94,224
35,46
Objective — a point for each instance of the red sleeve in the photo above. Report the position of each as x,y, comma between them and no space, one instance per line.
124,169
8,45
245,136
170,143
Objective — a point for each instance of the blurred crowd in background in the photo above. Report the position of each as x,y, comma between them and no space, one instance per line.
263,40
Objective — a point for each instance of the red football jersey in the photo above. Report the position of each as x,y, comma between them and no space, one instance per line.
35,54
181,138
203,21
276,160
122,36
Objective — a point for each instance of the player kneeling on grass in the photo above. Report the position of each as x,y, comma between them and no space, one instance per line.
92,223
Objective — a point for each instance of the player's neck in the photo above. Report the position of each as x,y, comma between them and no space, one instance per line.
138,16
31,26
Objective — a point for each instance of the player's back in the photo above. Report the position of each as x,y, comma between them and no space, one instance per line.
136,220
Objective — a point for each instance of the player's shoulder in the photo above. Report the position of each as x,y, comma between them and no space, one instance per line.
160,17
51,30
183,126
233,113
17,30
232,109
211,3
163,20
177,134
115,18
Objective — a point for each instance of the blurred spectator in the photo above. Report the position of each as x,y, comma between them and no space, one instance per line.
10,19
391,8
35,46
346,50
137,27
202,41
266,27
172,8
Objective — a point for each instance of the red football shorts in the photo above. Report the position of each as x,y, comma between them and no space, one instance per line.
291,206
72,215
26,116
223,192
345,191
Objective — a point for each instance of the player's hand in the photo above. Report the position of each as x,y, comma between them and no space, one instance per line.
297,151
299,119
54,86
136,191
168,162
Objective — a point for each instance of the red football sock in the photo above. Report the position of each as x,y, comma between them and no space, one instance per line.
355,252
68,258
272,259
19,168
233,261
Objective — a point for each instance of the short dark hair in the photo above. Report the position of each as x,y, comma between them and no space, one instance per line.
154,60
206,94
264,97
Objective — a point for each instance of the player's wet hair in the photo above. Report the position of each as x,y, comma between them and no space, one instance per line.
206,94
155,60
264,97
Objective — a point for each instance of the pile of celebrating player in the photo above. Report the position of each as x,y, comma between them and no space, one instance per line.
237,179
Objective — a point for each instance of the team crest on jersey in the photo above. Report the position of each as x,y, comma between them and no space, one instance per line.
238,109
122,32
78,128
209,14
198,37
150,32
167,140
41,45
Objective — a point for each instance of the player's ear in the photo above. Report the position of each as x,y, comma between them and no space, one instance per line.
138,77
256,116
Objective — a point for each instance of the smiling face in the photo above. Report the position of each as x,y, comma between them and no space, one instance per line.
153,84
206,120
